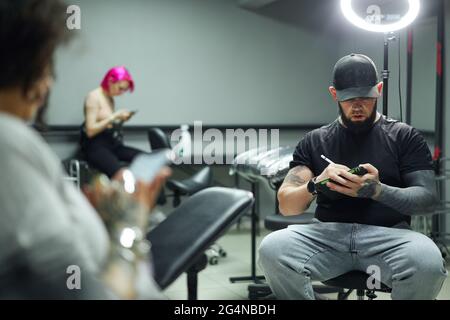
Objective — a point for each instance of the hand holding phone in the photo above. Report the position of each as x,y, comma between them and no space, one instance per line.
121,116
322,187
359,171
132,113
147,165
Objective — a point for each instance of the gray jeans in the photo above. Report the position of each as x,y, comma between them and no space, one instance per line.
408,261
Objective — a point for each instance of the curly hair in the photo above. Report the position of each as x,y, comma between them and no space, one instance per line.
30,32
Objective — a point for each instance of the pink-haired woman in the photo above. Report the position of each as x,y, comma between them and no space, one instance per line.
101,139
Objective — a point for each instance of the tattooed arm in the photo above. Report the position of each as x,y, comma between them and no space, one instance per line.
293,195
419,197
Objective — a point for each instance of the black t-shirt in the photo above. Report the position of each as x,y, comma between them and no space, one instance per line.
394,148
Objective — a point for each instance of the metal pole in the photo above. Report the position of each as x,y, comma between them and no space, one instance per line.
386,75
409,75
440,116
253,231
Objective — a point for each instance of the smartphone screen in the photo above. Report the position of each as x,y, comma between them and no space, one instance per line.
145,166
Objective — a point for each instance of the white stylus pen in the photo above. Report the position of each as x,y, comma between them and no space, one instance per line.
326,159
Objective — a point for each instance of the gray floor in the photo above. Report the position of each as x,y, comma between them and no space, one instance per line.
214,281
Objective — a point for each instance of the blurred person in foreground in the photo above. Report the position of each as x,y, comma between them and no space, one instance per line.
48,228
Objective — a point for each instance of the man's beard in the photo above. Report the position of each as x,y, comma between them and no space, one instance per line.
359,127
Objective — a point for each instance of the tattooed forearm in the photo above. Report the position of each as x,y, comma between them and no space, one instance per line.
369,189
293,195
294,178
419,198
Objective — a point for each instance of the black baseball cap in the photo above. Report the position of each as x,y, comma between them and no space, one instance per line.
355,76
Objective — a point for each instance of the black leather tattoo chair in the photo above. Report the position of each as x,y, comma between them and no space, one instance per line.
186,187
179,242
202,179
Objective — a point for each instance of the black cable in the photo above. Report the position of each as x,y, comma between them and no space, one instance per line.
400,78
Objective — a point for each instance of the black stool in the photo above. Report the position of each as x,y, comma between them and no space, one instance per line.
356,280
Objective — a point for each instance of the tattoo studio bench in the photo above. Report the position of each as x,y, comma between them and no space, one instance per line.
179,242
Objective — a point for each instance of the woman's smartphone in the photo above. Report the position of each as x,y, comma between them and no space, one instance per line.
147,165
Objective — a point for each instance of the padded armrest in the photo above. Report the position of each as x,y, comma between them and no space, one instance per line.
190,229
199,181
